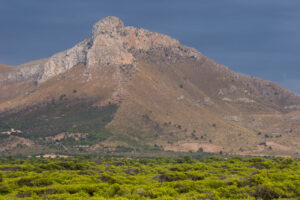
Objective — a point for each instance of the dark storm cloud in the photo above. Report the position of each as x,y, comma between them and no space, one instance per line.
255,37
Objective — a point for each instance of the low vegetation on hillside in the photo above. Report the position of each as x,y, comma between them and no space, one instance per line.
156,178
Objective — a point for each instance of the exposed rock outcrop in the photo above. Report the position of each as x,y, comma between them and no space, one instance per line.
31,71
111,44
63,61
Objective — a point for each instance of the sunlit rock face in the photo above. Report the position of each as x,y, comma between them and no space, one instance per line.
63,61
111,44
109,25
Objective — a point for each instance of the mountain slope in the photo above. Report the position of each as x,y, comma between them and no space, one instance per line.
129,89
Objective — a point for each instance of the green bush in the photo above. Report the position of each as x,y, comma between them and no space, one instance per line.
265,192
215,184
123,149
114,190
195,175
26,181
171,176
4,189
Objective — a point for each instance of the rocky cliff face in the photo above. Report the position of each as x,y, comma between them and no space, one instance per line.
111,44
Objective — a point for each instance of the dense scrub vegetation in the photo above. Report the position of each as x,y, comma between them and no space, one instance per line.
157,178
39,123
58,117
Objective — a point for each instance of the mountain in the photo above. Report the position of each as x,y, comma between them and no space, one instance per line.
127,89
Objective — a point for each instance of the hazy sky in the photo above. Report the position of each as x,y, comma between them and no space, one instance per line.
254,37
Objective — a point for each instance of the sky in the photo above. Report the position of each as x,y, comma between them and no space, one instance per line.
255,37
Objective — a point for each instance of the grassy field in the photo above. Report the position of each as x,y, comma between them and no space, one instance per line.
150,178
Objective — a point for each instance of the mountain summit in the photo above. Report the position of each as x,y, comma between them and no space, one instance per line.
127,89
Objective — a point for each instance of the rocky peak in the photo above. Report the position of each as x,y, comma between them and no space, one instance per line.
111,44
107,25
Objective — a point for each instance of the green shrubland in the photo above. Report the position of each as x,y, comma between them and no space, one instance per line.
150,178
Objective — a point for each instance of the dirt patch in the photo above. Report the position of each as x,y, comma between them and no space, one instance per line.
279,150
277,146
192,146
13,141
52,156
